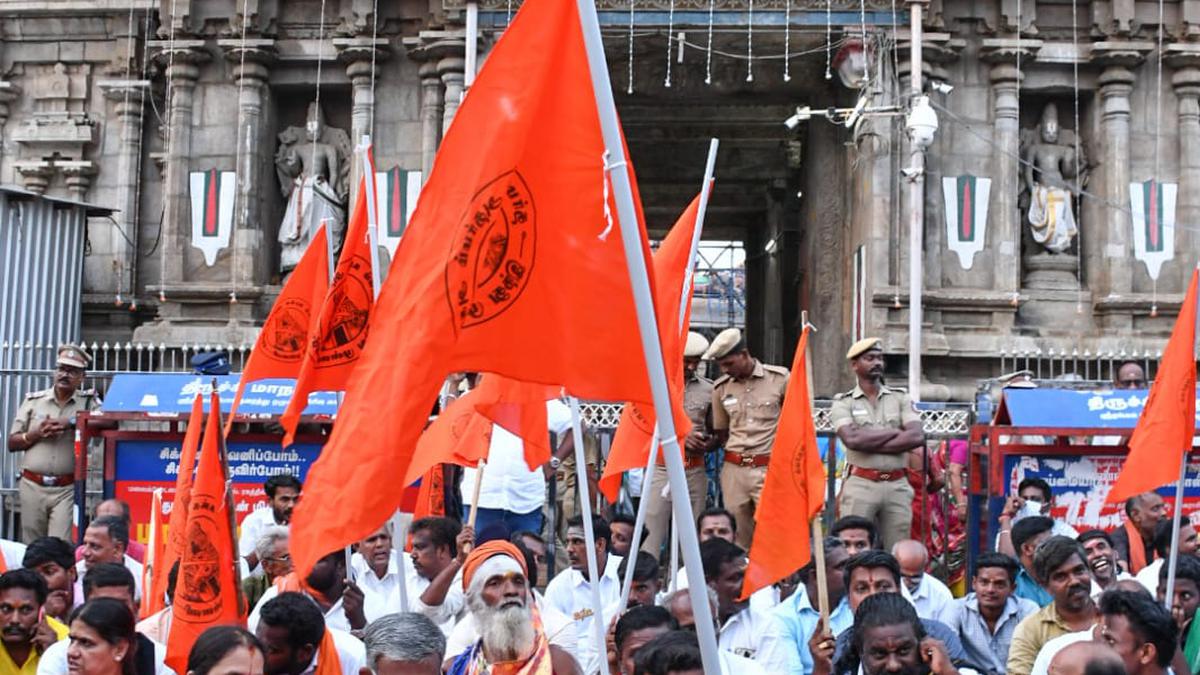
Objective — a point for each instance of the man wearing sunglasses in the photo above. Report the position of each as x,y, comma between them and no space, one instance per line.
44,431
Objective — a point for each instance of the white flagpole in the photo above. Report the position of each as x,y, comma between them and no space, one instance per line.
631,239
588,533
399,535
639,522
1177,512
472,51
368,173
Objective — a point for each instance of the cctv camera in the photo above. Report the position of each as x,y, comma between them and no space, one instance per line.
802,114
941,87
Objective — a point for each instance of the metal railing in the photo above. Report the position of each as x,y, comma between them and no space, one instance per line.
1097,368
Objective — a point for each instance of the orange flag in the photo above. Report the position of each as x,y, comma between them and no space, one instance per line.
206,594
340,331
794,489
285,335
1164,431
520,408
509,265
176,538
151,569
631,443
460,435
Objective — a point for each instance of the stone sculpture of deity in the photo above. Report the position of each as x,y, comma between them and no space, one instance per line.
313,165
1050,168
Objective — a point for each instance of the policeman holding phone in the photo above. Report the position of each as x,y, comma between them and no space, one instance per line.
44,430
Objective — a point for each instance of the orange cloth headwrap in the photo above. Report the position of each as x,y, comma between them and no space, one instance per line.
487,550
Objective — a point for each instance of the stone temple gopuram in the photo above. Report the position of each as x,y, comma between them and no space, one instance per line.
1061,191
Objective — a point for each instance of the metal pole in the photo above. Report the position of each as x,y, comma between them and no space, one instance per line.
1177,514
685,296
552,498
916,223
589,535
632,241
368,176
469,65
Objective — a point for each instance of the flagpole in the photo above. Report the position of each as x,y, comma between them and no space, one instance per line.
632,240
588,532
639,523
1177,512
243,610
399,535
479,467
368,173
685,296
817,530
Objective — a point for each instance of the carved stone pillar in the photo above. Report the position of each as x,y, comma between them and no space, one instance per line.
77,175
35,174
183,70
431,115
129,97
358,54
8,93
1004,217
1107,244
451,70
1185,59
252,60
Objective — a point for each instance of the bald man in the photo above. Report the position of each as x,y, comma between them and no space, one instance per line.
1087,658
930,596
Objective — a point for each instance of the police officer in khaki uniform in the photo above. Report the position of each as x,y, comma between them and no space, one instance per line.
697,402
878,425
44,429
746,401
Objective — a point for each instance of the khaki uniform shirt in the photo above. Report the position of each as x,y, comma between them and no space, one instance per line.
51,456
749,408
892,409
697,399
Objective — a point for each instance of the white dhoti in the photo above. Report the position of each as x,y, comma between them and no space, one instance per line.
312,201
1050,218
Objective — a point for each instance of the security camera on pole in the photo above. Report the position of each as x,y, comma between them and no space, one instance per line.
922,124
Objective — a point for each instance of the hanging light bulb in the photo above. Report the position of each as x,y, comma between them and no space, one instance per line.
1016,299
1153,310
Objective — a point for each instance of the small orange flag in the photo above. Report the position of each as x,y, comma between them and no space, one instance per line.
284,337
520,409
206,593
510,265
176,538
460,435
151,603
631,443
793,491
1164,431
340,332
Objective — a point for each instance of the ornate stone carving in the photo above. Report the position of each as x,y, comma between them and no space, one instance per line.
1053,156
313,165
59,124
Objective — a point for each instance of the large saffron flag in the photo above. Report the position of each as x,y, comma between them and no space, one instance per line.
152,603
1164,431
206,593
176,535
631,443
460,435
794,489
512,264
339,333
284,337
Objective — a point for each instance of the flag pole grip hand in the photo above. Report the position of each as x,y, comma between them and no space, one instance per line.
465,542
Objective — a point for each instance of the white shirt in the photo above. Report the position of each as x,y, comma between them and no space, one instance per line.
1041,665
1148,577
444,615
132,565
931,598
732,664
251,529
571,594
373,608
54,659
14,554
508,484
559,629
743,632
352,655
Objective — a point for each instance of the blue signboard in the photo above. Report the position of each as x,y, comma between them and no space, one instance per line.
1075,409
166,393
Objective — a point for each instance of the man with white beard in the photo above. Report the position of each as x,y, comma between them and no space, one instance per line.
510,626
